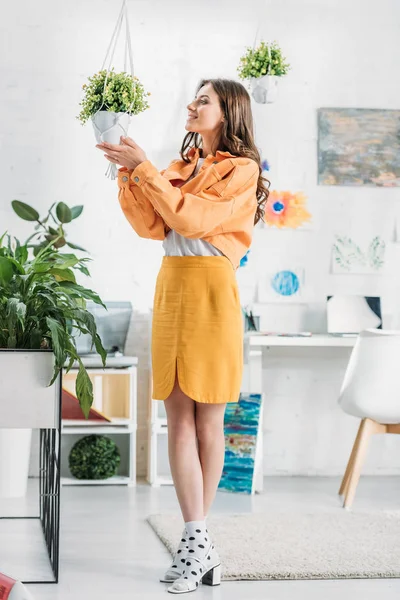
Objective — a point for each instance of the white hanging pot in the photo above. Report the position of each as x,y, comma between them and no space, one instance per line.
108,127
264,89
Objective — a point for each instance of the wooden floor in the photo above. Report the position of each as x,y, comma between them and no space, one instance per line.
108,550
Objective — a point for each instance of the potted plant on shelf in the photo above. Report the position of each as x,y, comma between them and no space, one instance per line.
262,67
42,310
109,101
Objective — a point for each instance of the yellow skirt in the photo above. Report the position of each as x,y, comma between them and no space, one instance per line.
197,329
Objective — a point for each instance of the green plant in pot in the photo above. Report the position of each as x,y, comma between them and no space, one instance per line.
262,67
109,100
43,307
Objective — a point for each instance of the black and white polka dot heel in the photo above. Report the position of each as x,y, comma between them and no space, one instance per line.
178,561
205,568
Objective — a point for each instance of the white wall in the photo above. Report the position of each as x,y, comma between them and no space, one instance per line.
343,54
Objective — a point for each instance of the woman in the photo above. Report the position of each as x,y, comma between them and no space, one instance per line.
204,207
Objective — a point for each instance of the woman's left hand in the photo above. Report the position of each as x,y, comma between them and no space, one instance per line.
128,154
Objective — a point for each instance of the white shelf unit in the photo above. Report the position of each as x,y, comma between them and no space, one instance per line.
115,395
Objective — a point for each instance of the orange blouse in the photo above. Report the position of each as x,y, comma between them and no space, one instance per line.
217,205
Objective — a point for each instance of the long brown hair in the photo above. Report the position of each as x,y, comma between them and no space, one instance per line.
237,132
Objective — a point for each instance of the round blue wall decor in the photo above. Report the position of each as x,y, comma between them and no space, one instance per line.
285,283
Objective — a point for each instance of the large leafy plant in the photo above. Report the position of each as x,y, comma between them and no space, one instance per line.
44,232
42,306
123,92
263,60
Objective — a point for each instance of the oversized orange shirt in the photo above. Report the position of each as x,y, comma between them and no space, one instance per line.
217,205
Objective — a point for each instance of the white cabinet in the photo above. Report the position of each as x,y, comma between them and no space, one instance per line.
115,396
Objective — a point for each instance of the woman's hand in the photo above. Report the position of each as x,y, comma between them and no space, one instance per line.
128,154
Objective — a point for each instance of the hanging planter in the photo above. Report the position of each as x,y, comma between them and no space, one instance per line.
110,99
262,67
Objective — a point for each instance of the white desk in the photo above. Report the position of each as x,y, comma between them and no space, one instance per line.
252,372
255,342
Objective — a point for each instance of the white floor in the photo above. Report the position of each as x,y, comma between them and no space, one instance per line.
108,550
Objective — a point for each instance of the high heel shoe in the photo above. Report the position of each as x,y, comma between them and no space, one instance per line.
205,569
178,562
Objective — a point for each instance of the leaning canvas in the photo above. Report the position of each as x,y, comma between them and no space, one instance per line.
358,146
243,427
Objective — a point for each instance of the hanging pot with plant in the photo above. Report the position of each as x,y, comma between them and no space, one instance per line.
262,67
110,98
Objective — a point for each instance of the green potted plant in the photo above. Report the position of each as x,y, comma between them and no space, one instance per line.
262,67
42,310
109,100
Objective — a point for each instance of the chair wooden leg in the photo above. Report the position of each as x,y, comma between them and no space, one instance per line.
367,428
350,463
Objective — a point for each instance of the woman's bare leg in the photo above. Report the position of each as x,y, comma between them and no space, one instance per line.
183,454
211,440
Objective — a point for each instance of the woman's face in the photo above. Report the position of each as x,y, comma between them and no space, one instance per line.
204,112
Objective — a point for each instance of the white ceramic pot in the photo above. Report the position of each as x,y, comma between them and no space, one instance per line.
108,127
15,452
264,89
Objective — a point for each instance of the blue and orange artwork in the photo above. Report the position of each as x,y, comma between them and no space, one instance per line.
286,209
241,427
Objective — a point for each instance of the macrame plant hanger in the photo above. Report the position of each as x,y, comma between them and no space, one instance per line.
108,125
263,89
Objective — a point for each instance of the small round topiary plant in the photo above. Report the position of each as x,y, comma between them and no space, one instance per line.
94,457
123,92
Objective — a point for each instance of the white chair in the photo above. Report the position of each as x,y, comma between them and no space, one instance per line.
370,391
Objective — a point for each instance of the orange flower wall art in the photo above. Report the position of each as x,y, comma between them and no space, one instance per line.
286,209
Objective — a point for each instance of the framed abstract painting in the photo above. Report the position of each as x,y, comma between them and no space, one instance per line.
359,146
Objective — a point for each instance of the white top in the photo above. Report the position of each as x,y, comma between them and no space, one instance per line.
175,244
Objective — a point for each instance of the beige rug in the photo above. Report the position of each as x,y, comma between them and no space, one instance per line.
331,545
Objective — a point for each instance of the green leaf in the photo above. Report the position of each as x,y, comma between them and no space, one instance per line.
75,247
6,271
18,266
76,211
63,213
86,293
16,311
58,339
21,255
2,238
84,390
26,212
88,319
65,261
63,274
84,270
